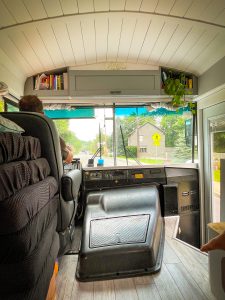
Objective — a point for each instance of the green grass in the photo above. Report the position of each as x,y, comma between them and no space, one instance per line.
147,160
152,161
216,175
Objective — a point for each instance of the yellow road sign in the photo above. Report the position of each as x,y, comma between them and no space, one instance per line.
156,139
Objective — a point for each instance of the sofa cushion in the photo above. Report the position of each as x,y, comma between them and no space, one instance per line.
7,125
16,246
19,209
24,274
18,174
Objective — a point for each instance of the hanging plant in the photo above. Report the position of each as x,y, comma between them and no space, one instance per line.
193,107
175,85
176,88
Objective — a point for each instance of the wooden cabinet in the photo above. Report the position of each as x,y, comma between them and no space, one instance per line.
109,83
49,84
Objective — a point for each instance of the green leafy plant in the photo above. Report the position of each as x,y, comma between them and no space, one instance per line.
175,85
176,88
193,107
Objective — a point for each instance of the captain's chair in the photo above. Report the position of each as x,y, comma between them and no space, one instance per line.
39,126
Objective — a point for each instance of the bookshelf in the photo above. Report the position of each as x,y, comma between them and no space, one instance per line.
189,80
48,84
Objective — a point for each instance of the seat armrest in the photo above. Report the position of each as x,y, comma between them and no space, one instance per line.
70,184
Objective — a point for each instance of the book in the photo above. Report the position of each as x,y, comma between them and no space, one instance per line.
43,82
65,81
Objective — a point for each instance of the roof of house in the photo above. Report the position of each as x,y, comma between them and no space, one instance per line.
157,128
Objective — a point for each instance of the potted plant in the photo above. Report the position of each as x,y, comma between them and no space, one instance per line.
175,86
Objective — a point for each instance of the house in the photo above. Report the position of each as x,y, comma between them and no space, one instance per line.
153,147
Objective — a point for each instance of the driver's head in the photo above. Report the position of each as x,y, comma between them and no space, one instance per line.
31,103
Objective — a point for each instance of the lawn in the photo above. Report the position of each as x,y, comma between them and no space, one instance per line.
152,161
146,160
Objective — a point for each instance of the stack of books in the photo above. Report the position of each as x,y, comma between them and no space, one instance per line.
51,82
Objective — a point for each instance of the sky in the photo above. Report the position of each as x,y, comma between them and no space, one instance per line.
87,129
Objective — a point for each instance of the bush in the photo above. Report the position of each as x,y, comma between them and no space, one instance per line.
131,151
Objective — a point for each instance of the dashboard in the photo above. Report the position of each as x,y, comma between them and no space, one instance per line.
107,178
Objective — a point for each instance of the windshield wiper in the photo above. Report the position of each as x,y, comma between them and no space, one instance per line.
127,151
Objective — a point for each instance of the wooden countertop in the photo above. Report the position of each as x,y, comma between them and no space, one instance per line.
217,227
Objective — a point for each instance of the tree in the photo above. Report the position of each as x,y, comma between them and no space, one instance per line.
172,126
183,152
69,137
219,144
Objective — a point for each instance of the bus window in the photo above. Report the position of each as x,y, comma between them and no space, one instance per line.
90,137
152,136
142,136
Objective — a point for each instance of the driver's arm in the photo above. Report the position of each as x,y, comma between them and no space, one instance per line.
67,154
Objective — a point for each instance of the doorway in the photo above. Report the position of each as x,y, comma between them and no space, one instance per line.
214,151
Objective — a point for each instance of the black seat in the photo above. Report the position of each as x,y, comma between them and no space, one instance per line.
44,129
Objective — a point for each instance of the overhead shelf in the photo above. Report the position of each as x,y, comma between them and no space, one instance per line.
110,83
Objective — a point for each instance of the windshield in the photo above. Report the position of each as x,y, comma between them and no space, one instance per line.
123,136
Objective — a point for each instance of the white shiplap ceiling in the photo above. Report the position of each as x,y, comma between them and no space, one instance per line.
40,35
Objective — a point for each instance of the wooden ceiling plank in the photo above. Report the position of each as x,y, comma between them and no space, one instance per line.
35,8
26,49
213,53
85,6
14,54
197,49
101,27
197,9
148,6
187,44
47,36
7,61
133,5
18,10
174,43
76,40
162,41
141,32
126,38
221,18
52,8
164,6
213,10
150,39
180,7
117,4
39,47
115,23
100,5
62,35
69,7
88,30
6,17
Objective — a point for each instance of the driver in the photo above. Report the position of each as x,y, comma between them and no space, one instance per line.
32,103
